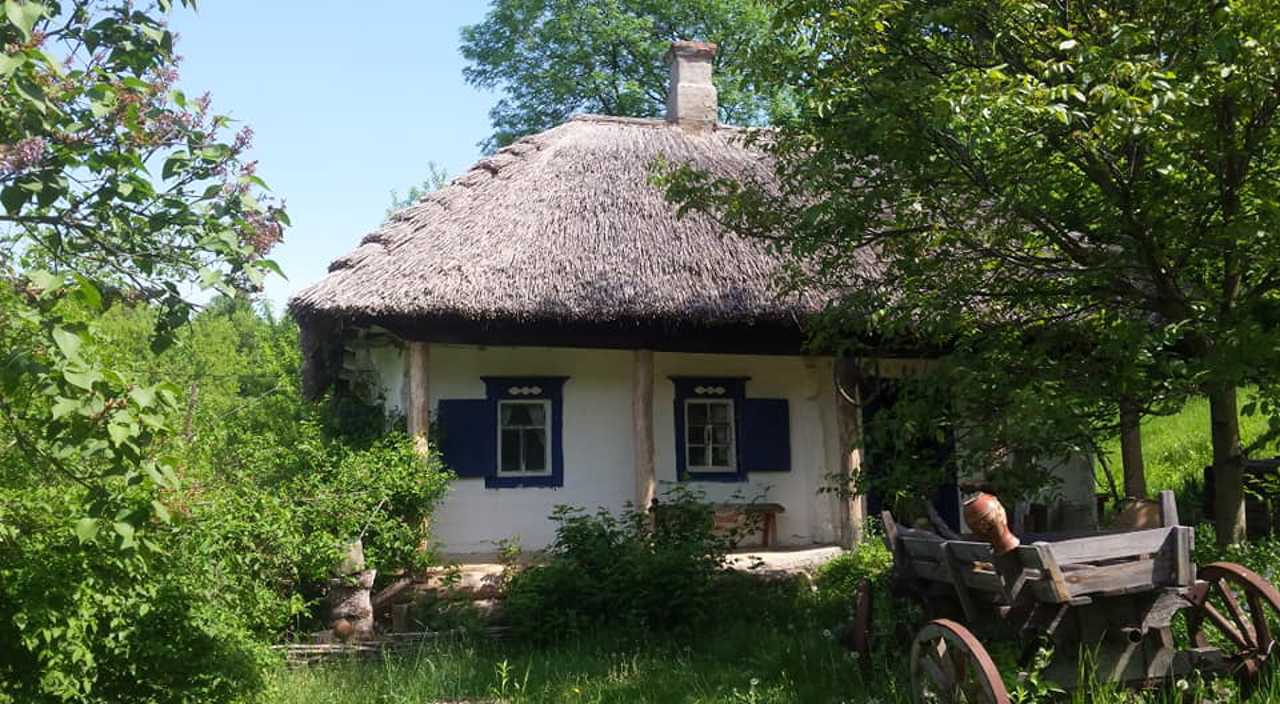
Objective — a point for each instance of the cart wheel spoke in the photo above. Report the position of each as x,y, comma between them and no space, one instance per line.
1261,625
948,662
943,682
1250,633
1237,615
1225,627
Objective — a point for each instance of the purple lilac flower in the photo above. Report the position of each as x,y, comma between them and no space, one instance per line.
15,158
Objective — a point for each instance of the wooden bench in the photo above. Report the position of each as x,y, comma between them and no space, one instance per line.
766,513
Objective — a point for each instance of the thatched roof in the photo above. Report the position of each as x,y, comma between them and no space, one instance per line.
565,227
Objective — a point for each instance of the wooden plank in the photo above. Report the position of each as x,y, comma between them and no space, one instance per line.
643,465
918,547
1122,578
1168,509
1109,547
419,411
982,581
955,572
1052,573
970,551
901,565
890,527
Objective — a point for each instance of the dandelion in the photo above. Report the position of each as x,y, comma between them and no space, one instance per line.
1182,685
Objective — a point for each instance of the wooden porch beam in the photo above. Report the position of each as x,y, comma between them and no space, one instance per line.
419,410
642,428
849,423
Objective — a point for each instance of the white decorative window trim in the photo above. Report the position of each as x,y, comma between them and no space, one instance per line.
525,390
709,390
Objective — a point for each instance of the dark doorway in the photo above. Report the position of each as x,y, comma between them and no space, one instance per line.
879,395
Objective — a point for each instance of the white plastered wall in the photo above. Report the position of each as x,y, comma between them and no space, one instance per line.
597,438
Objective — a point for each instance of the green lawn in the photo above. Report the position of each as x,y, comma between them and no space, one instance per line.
740,666
1177,448
737,665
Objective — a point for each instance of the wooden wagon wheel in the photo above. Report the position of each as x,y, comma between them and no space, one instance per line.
950,666
1235,609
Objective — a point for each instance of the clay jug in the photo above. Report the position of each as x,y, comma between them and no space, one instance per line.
987,519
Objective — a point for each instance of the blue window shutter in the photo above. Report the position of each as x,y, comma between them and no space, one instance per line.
765,440
469,436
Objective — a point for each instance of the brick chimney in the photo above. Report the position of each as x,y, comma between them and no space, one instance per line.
691,96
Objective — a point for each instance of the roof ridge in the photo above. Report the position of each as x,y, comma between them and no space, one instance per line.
656,122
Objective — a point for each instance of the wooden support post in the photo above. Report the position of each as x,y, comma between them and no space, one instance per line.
642,428
849,425
419,410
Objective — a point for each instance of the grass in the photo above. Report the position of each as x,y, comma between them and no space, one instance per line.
740,666
1177,448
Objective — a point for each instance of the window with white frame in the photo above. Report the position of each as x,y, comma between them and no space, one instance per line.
523,430
709,441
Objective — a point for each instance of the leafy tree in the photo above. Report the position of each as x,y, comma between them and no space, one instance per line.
1100,174
115,187
552,58
436,179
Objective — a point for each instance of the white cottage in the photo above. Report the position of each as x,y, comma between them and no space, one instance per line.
576,343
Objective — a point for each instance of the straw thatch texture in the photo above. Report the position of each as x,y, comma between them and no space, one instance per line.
565,226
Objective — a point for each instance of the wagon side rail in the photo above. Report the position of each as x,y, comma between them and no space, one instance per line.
1119,563
1055,572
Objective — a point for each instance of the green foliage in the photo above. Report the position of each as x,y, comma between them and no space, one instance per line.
838,579
267,489
90,115
115,188
638,571
553,58
273,486
436,179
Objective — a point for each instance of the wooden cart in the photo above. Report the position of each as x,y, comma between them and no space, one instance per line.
1111,598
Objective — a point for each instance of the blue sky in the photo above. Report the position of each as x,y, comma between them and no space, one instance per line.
347,102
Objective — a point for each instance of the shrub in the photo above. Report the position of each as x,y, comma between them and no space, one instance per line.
654,571
836,582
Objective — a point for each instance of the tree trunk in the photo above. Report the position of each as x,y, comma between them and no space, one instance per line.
1135,471
1228,465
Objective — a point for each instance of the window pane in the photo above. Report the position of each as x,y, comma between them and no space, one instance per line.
720,412
514,414
537,414
720,434
511,450
697,414
720,456
696,434
697,456
535,450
